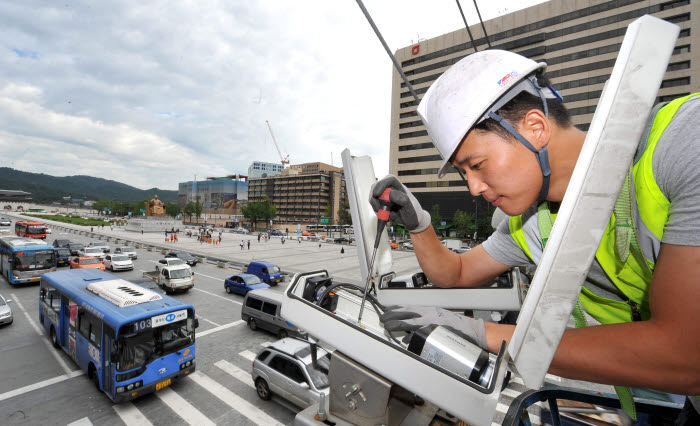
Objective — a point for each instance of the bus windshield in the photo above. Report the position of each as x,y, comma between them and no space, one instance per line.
39,259
36,229
138,349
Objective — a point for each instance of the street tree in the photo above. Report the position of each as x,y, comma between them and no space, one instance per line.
344,216
463,222
172,209
197,208
436,218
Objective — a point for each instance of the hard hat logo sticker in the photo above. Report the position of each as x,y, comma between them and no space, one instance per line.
507,79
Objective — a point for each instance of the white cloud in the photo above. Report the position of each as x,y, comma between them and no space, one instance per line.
149,93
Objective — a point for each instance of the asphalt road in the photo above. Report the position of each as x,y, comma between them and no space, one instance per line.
42,385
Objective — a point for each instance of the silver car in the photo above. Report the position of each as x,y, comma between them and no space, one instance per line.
284,369
5,311
127,251
92,252
101,245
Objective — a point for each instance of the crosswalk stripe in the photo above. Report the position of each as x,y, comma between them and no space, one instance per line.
236,372
131,415
247,355
234,401
219,328
266,344
82,422
183,408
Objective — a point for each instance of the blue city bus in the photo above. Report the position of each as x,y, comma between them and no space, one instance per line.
130,341
25,260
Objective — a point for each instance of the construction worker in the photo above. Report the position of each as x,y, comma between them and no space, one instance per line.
495,118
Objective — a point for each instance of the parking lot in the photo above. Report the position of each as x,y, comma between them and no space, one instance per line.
42,385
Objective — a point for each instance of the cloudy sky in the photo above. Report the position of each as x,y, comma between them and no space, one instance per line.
150,93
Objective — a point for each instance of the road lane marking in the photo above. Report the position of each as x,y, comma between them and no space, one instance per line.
131,415
82,422
234,401
266,344
219,328
183,408
247,355
209,321
236,372
49,345
209,276
40,385
216,295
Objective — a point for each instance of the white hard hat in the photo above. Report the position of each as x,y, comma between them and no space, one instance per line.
464,94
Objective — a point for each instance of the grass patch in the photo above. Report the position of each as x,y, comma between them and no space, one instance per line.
73,220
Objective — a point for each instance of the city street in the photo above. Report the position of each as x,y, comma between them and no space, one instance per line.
43,385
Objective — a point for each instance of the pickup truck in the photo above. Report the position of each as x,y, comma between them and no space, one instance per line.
172,278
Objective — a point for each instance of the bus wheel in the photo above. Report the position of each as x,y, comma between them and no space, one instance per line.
252,324
54,338
92,374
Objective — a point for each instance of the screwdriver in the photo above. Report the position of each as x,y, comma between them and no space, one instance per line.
382,218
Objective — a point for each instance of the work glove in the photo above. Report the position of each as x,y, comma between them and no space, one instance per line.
408,211
411,318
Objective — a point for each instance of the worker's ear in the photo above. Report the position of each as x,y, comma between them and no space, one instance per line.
536,128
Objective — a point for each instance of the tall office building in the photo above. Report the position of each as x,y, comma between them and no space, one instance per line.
261,169
579,41
302,192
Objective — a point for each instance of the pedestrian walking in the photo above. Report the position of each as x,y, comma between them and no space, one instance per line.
142,232
342,252
248,244
242,244
259,235
282,240
91,229
299,240
219,237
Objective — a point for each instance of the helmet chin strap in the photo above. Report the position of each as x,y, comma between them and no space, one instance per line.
541,155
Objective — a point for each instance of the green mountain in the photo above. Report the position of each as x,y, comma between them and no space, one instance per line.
45,188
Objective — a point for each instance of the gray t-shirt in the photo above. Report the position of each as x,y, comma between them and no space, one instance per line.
676,172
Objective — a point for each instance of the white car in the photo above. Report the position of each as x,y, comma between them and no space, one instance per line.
170,261
407,245
240,230
118,262
91,252
48,230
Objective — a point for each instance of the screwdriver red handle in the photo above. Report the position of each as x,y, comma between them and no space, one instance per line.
385,203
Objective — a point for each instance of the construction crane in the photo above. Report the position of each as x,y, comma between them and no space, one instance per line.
284,160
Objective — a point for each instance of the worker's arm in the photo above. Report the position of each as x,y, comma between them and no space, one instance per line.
445,268
662,353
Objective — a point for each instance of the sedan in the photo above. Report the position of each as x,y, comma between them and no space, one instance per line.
118,262
342,240
87,263
127,251
243,283
183,255
5,311
62,256
276,232
240,230
92,252
74,247
101,245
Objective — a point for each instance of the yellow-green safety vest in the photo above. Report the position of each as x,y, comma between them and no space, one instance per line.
618,253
